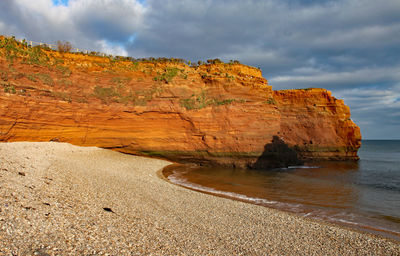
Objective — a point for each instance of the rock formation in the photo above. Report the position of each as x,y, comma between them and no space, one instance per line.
212,113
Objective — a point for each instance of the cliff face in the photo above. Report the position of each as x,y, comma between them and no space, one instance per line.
214,113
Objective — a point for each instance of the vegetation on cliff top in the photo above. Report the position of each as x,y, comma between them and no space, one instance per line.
45,72
21,48
202,100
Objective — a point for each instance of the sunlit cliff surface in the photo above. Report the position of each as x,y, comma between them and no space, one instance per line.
212,113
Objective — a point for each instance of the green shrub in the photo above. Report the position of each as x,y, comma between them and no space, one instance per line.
135,66
10,47
46,79
105,93
31,55
189,104
234,62
169,74
203,75
65,82
82,100
31,77
18,75
62,95
4,76
214,61
37,56
120,81
64,46
229,77
201,101
270,101
65,71
224,102
9,88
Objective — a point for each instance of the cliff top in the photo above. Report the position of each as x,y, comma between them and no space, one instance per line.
95,61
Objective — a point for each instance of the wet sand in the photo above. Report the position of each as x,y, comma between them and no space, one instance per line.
59,199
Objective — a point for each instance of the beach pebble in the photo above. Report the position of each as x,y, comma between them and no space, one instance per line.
90,201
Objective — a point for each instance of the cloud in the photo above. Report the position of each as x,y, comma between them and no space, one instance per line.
351,47
87,24
310,77
112,20
376,110
113,49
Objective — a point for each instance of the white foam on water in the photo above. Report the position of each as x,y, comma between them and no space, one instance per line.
255,200
303,167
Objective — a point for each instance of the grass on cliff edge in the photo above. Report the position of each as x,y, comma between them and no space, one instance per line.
36,55
39,55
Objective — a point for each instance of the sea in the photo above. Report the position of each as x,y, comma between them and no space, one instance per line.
364,195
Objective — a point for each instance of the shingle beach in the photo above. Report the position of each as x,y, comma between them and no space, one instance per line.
60,199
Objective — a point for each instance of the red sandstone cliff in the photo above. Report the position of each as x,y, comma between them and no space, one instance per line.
218,113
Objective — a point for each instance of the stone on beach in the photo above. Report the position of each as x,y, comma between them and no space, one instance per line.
59,208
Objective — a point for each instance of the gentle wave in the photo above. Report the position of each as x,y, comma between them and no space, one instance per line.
259,201
363,194
345,218
390,187
302,167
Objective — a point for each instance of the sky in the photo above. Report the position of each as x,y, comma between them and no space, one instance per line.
350,47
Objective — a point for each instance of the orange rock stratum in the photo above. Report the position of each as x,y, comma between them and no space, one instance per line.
213,113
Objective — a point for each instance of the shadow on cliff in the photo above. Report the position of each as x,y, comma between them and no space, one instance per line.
277,154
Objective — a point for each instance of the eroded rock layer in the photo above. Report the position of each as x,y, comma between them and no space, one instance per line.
213,113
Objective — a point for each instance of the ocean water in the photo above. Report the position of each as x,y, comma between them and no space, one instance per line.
364,194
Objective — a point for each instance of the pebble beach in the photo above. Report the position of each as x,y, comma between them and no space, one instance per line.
60,199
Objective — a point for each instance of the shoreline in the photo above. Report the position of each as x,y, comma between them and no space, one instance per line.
368,230
61,199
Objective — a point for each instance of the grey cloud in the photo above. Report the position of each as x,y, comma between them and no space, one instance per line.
106,19
204,29
337,80
33,20
88,24
376,110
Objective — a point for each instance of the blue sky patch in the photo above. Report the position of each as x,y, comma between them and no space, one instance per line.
60,2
